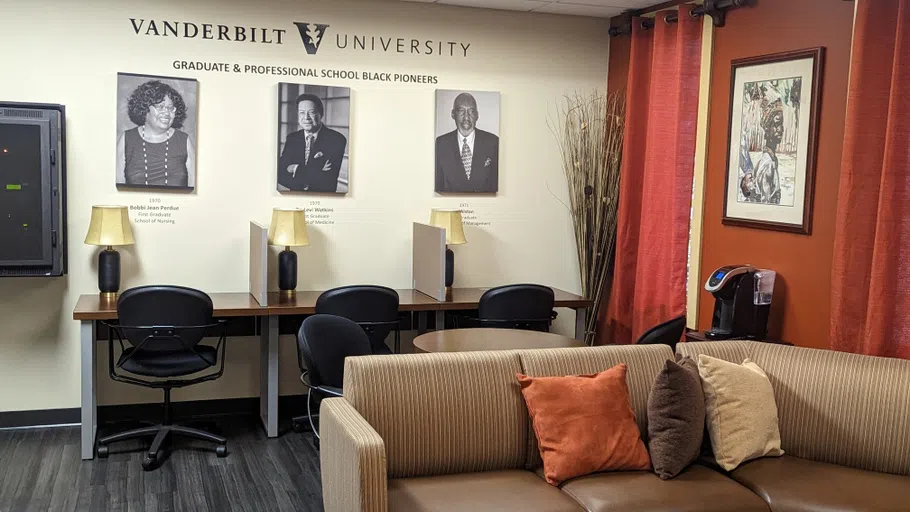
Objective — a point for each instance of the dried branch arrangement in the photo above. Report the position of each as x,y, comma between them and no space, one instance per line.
589,130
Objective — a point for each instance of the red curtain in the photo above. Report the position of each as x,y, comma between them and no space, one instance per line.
870,311
655,197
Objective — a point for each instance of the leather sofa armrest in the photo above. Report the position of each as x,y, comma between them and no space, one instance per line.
353,460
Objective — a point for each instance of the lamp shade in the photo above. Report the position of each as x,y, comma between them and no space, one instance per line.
288,228
449,220
110,225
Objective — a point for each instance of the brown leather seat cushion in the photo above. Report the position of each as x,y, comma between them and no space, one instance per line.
790,483
478,492
697,489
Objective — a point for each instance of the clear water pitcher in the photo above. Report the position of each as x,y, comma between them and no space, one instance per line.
764,286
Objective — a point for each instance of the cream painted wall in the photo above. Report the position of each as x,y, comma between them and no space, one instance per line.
693,286
66,52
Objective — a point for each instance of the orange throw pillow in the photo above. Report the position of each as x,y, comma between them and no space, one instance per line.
584,424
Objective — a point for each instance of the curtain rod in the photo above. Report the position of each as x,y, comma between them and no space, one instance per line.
716,9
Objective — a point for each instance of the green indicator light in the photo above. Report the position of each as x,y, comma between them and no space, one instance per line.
14,187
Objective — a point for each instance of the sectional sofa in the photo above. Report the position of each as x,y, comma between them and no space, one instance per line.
440,432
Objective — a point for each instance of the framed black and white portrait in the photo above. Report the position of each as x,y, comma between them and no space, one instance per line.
314,126
156,131
467,141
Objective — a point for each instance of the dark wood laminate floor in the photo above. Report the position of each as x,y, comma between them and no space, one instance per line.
40,470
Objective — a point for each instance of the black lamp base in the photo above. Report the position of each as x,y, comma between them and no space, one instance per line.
109,273
450,267
287,272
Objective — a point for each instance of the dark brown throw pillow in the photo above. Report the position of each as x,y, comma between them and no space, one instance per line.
676,418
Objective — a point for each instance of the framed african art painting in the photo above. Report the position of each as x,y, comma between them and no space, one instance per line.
774,105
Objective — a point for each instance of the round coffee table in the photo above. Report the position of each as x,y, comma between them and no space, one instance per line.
471,340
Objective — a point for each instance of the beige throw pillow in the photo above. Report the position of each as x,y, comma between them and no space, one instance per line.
741,413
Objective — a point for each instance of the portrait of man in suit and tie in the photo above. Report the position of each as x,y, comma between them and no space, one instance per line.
313,125
467,158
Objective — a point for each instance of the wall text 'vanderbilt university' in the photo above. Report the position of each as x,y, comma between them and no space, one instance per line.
312,37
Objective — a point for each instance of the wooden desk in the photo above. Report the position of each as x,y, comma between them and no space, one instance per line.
90,310
304,302
93,307
468,298
470,340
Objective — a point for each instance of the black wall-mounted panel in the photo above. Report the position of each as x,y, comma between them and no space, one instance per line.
32,190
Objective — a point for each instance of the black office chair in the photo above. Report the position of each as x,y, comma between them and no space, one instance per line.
667,333
163,326
373,308
517,306
323,342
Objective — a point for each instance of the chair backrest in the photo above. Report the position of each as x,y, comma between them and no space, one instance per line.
374,308
517,306
323,342
667,333
180,315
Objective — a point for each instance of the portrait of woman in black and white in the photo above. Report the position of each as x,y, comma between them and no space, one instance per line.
156,121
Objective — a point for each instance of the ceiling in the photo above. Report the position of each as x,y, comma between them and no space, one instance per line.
596,8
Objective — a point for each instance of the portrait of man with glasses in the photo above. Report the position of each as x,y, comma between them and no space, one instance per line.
156,124
467,158
313,129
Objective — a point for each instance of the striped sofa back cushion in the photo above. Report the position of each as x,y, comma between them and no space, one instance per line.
442,413
644,362
835,407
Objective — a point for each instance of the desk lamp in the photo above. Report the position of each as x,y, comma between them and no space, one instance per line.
110,226
288,228
449,220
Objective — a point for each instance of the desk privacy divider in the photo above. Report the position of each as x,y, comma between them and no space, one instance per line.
259,263
429,260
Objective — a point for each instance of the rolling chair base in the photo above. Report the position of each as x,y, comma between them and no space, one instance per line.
303,424
162,436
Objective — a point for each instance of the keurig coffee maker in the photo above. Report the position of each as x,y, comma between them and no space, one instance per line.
742,301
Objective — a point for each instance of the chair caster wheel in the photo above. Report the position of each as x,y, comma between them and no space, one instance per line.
150,463
102,451
221,451
299,427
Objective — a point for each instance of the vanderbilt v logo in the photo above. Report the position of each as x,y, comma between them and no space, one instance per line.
311,35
